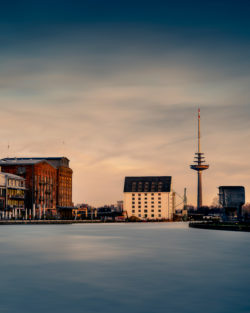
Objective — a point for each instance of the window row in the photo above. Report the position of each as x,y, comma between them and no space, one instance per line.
145,206
152,215
145,211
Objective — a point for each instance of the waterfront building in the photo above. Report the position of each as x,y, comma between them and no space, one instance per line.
12,196
149,197
48,182
232,198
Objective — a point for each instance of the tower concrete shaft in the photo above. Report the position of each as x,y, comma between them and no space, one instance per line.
199,166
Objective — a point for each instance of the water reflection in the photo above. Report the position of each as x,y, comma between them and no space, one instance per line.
123,268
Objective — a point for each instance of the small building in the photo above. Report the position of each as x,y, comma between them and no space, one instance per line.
85,212
149,197
232,198
12,196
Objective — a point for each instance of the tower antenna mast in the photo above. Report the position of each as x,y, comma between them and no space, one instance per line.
199,165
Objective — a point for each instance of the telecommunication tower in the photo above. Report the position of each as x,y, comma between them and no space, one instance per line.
199,165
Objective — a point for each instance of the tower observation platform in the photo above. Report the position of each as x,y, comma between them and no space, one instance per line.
199,165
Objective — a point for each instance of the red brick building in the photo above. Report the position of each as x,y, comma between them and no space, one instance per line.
48,183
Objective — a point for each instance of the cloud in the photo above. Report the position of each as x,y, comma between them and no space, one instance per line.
126,110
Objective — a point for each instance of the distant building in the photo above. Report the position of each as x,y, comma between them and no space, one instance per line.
232,198
120,205
12,196
48,182
148,197
84,211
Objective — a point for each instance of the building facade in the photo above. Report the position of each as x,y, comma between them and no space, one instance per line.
48,182
12,196
232,198
148,197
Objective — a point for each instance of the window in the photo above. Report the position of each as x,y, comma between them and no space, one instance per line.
145,211
152,194
133,206
159,215
133,202
159,201
139,215
146,202
139,210
146,206
152,210
133,194
152,215
152,206
152,202
139,202
145,194
133,198
139,206
159,206
159,194
139,194
145,215
139,198
133,211
159,210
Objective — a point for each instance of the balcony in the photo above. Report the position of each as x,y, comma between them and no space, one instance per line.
16,197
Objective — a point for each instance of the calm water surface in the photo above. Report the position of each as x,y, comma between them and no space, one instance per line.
121,268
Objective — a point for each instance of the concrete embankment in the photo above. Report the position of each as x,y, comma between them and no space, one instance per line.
45,222
222,226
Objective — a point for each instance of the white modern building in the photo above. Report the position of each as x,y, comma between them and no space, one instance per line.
149,197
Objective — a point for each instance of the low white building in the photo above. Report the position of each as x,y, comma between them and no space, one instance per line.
12,196
149,197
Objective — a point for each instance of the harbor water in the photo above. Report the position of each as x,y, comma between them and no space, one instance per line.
123,268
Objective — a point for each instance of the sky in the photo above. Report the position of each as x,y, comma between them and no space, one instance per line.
115,86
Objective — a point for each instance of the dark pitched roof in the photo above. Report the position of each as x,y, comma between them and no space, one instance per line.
23,162
232,187
148,184
54,161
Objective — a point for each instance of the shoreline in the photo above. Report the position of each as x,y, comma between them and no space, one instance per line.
242,227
